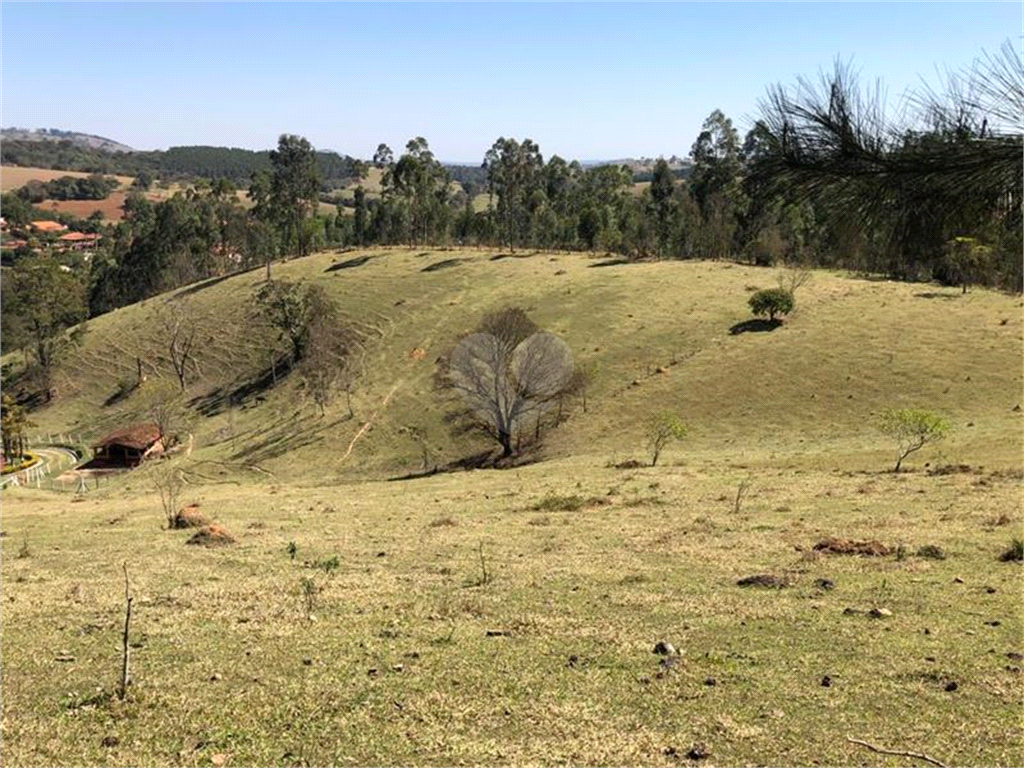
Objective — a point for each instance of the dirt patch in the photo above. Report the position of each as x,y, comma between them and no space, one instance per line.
211,536
763,580
629,464
954,469
190,517
835,546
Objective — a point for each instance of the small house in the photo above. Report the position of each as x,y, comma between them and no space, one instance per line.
78,241
129,446
47,226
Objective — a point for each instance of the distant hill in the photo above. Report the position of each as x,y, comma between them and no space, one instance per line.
87,140
70,151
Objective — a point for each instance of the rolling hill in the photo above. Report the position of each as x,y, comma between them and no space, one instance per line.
656,334
86,140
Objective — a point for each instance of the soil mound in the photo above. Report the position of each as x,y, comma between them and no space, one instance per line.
190,517
211,536
835,546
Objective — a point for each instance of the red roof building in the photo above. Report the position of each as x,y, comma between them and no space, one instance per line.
47,226
129,446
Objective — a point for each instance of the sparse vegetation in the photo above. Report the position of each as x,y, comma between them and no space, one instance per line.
931,552
168,483
1015,552
661,429
912,429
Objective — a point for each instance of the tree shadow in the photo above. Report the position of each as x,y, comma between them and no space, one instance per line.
123,392
358,261
442,265
500,256
216,401
208,283
757,325
611,262
288,434
937,295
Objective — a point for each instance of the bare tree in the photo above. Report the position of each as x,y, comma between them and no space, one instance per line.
164,405
325,363
509,374
180,328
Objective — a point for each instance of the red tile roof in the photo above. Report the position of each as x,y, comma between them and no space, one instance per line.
138,436
74,237
48,226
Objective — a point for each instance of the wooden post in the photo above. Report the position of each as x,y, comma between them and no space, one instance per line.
124,640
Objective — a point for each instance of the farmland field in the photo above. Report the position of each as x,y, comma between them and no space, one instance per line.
510,617
12,176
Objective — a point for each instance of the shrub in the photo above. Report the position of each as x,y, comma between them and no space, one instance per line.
912,429
1014,553
661,429
772,302
931,552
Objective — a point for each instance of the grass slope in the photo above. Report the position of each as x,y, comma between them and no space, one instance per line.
806,392
508,617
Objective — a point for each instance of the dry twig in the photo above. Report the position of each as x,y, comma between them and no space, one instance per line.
880,750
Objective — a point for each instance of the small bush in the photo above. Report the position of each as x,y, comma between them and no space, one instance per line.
556,503
911,429
772,302
662,429
1015,553
328,565
931,552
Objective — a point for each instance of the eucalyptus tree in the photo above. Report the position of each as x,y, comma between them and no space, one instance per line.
422,183
294,190
514,173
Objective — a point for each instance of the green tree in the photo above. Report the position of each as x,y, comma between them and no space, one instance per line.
294,190
421,183
966,261
661,429
513,174
949,167
360,218
912,429
13,424
663,204
294,310
716,162
772,302
40,302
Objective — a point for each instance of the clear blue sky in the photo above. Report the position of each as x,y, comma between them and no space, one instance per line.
586,81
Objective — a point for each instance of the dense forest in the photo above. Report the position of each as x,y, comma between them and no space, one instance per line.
820,179
174,164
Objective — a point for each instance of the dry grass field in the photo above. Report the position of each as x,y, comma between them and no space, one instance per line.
509,617
12,176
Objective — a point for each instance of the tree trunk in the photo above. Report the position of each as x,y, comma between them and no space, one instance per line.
506,444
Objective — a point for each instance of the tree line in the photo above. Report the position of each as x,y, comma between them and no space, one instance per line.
822,178
173,164
93,187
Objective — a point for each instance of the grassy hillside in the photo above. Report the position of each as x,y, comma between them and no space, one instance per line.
807,391
508,617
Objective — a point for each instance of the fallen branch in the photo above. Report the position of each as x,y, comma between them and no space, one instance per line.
918,755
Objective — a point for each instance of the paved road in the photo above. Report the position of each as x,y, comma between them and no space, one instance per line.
52,462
